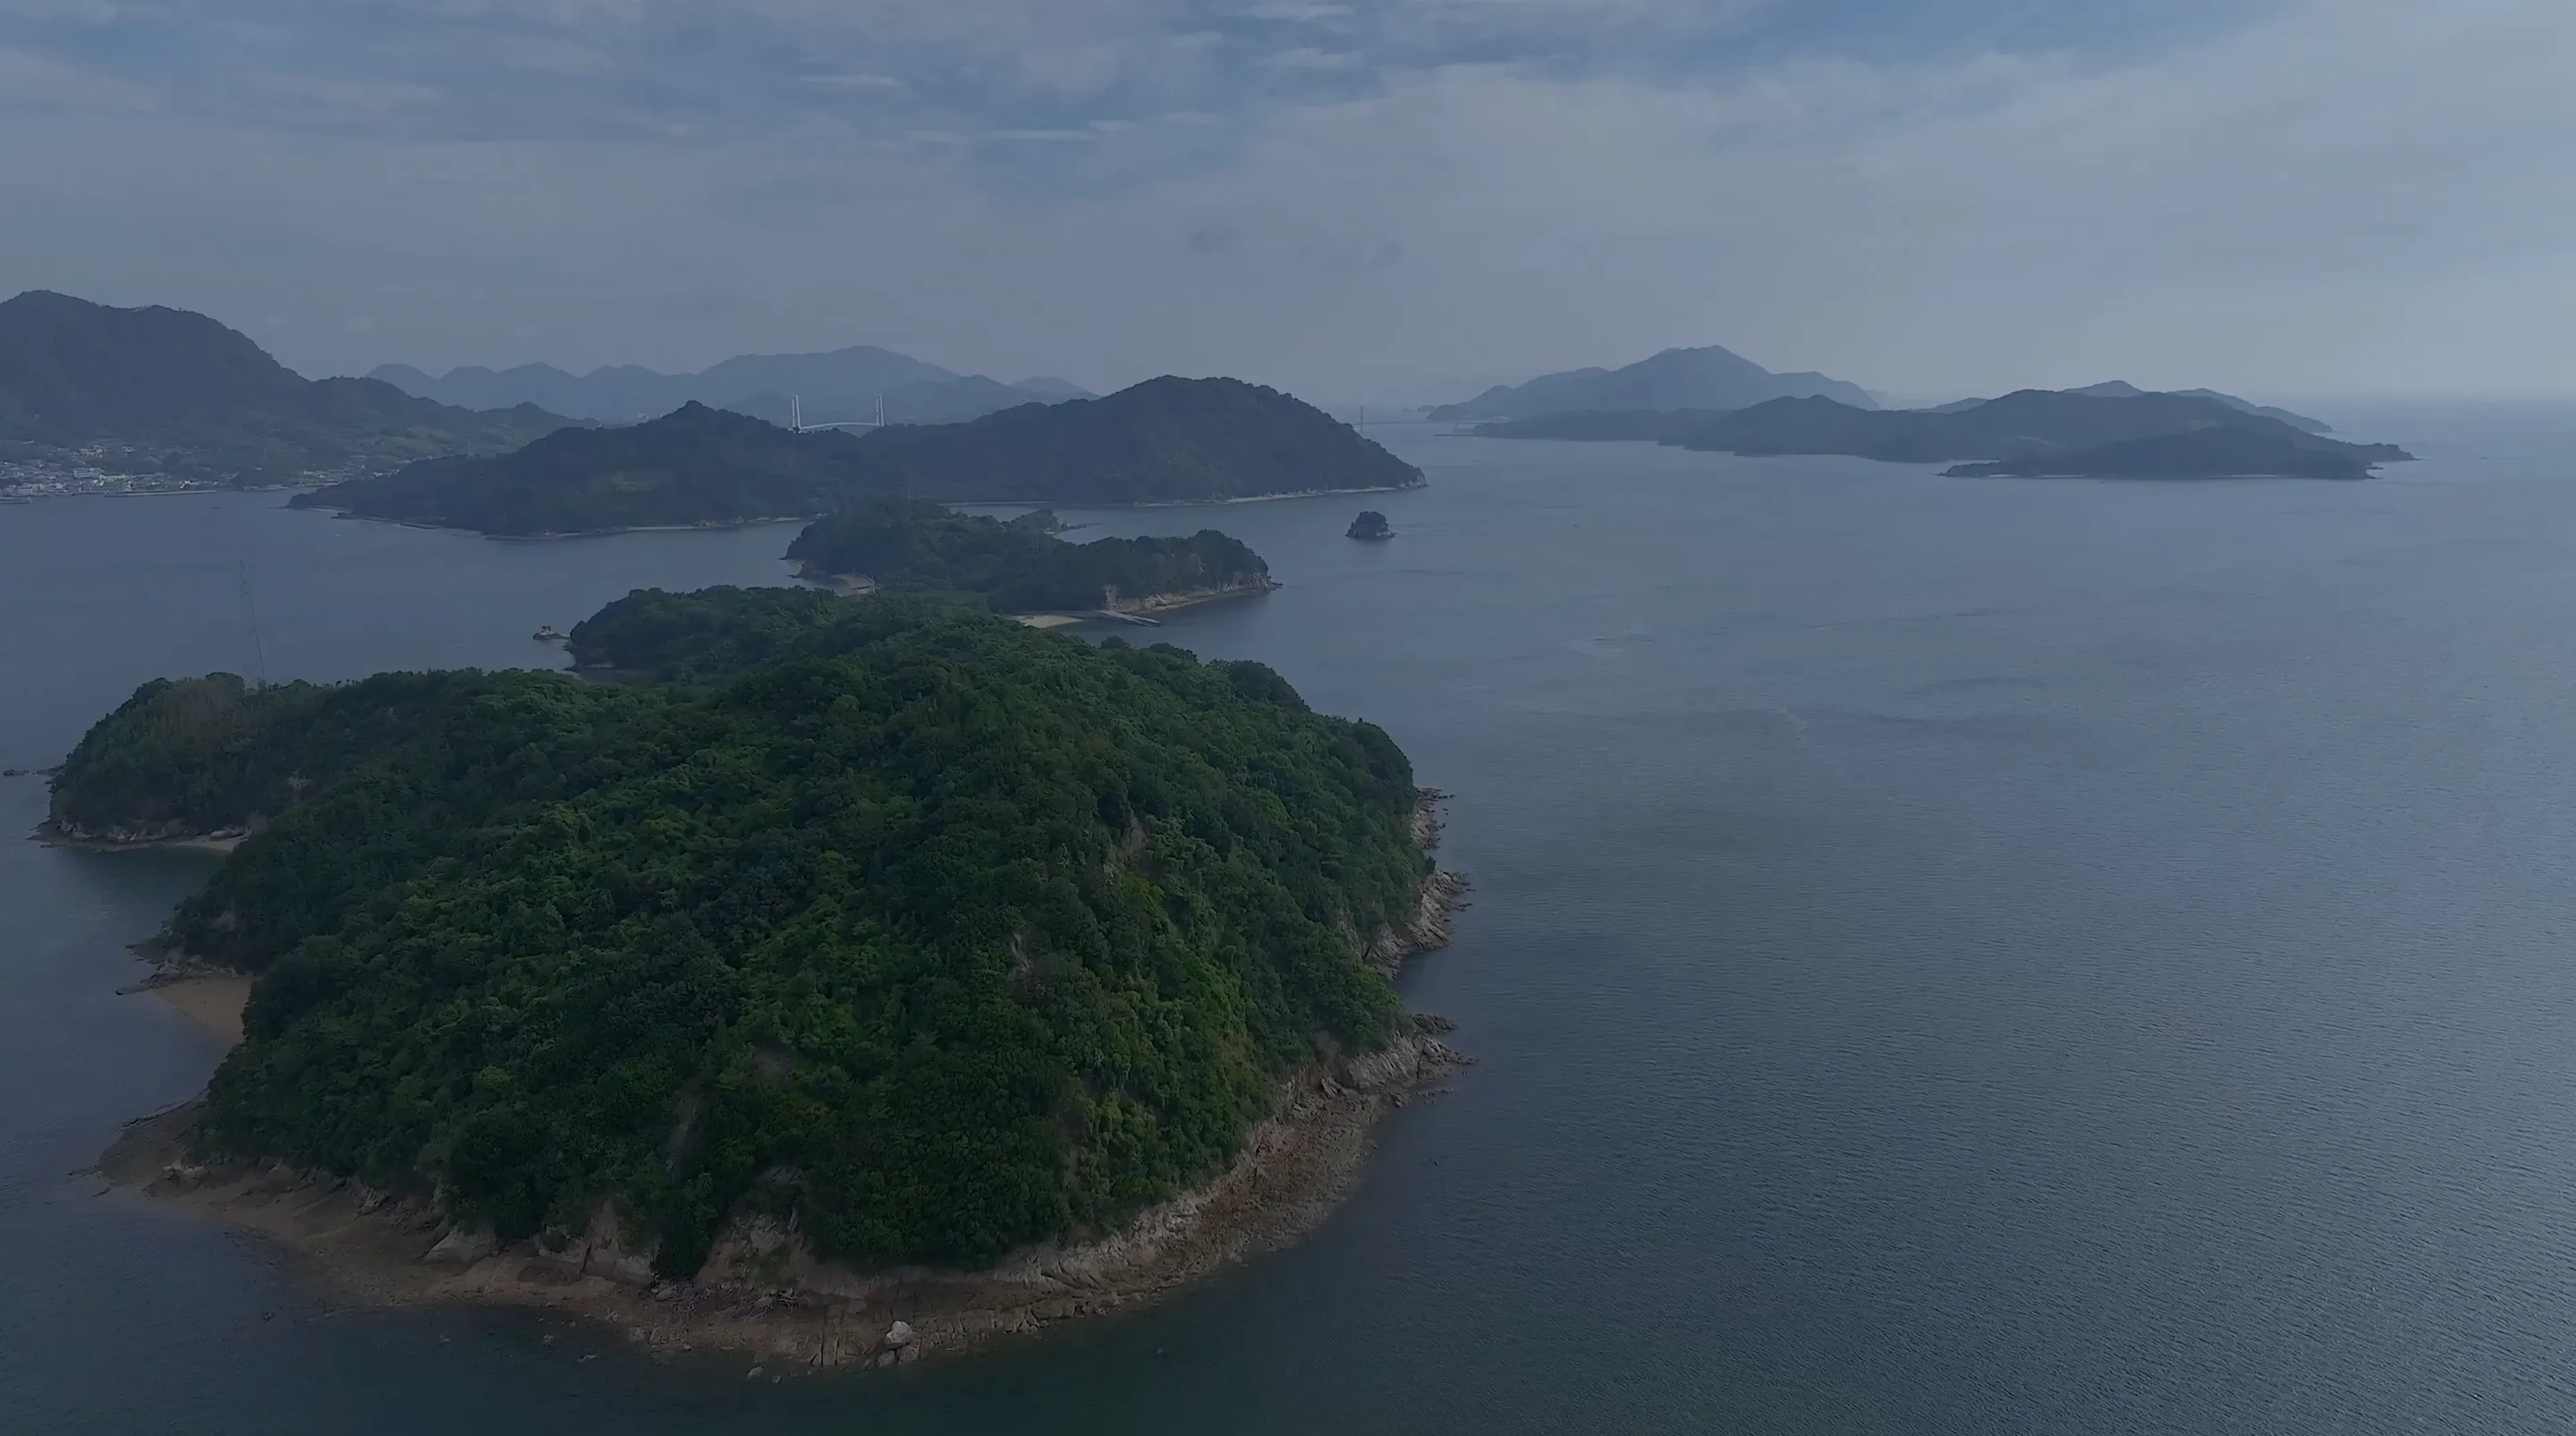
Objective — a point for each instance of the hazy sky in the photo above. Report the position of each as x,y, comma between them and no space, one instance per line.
1351,198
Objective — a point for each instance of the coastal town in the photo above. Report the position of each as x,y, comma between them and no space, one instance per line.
109,469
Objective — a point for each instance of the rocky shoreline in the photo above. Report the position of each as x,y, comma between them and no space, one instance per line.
1189,598
762,1293
172,836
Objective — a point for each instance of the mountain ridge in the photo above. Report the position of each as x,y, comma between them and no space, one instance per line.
1706,378
2123,389
1167,440
832,385
193,396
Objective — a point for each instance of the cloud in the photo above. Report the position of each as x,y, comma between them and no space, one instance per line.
2337,194
1307,57
42,82
886,83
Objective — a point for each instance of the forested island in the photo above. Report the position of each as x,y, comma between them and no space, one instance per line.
2019,425
2110,431
918,546
166,392
2216,452
1163,441
883,960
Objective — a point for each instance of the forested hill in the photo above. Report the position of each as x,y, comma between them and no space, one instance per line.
178,392
931,934
1165,440
696,466
916,545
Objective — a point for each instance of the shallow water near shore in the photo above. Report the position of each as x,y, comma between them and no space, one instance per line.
1947,956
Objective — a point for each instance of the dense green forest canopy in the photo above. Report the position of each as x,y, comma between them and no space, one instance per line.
716,634
932,932
1164,440
199,755
189,396
916,545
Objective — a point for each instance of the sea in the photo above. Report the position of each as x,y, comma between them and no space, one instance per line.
1945,956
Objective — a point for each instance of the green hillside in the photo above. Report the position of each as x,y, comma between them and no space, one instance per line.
932,933
165,390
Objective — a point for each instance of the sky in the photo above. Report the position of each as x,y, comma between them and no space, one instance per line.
1352,199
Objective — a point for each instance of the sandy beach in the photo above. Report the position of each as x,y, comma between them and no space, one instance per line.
212,1002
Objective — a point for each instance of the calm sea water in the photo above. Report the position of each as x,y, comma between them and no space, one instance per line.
1946,957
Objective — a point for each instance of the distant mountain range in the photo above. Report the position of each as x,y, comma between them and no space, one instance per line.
845,384
2105,431
1710,378
1166,440
2123,389
181,394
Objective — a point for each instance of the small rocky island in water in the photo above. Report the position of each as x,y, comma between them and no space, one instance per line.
868,979
1369,525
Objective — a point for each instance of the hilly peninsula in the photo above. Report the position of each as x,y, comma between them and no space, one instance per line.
1710,378
164,391
918,546
1163,441
896,961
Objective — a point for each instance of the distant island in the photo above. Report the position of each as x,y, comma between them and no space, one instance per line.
2219,451
2030,425
1370,525
885,979
2122,389
918,546
167,393
1710,378
843,384
2124,434
1163,441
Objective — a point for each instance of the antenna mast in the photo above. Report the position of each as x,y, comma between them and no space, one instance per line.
795,414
